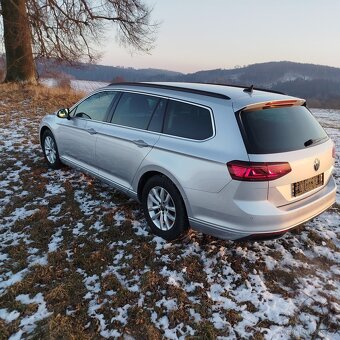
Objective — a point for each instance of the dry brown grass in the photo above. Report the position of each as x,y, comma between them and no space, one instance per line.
65,327
118,258
41,98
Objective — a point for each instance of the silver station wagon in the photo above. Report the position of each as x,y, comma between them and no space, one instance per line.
228,161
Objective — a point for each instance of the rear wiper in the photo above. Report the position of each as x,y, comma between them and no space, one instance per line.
313,141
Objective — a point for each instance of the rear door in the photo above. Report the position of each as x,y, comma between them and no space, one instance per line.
289,134
131,133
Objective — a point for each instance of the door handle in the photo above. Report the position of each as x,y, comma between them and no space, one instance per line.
91,131
140,143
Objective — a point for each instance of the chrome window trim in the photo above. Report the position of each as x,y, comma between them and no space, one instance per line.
212,118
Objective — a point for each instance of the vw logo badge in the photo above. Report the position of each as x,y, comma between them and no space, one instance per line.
316,164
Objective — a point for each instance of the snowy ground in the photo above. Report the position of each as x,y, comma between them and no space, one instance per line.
85,86
77,260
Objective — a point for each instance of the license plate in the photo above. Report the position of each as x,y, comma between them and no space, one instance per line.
299,188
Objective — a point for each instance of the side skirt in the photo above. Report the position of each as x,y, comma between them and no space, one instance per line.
92,172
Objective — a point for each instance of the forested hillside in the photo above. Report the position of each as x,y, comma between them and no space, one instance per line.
319,84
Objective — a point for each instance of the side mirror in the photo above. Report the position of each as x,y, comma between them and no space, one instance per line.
64,113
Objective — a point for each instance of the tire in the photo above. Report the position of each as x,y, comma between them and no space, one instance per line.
164,208
50,150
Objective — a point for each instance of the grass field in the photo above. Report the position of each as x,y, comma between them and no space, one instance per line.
77,259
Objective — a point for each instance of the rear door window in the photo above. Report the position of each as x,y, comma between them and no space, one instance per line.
188,121
280,130
135,110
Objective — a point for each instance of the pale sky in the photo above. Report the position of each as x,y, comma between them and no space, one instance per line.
200,35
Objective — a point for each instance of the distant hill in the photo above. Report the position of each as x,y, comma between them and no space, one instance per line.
106,73
319,84
268,74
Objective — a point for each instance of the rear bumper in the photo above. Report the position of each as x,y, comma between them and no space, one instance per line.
259,219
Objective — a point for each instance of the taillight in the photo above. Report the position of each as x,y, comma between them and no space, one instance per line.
257,171
334,152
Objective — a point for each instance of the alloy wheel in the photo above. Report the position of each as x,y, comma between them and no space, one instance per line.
50,149
161,208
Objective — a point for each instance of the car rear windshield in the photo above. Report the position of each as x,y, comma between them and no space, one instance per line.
280,130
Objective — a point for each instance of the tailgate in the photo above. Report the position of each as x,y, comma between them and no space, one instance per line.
288,133
311,170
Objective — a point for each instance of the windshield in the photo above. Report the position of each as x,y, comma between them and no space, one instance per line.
280,130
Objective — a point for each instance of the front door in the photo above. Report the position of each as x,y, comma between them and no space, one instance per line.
76,137
73,140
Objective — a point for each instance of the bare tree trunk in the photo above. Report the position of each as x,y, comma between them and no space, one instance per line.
18,43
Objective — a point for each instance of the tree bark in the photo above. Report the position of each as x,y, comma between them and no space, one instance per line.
20,66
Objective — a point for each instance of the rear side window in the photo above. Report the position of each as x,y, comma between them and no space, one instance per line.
280,130
135,110
188,121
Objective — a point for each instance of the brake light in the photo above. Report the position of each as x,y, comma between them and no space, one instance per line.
258,171
334,152
273,104
279,103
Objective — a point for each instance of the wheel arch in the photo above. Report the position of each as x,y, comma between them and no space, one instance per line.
42,131
144,176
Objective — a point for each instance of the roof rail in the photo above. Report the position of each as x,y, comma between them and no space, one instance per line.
175,88
245,87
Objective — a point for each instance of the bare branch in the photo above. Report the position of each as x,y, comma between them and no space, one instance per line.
69,30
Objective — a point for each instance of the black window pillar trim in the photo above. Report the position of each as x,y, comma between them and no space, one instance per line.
114,106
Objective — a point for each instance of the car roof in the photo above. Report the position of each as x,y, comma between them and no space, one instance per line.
236,94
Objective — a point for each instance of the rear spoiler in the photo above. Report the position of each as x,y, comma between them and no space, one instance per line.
274,104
